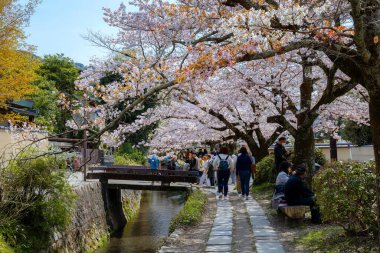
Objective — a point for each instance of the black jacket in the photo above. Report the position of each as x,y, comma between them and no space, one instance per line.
280,154
295,191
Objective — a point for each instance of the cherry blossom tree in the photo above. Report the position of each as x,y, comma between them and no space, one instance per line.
191,39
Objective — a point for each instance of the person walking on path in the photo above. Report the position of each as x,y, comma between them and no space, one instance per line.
204,178
223,163
153,161
244,166
280,153
210,170
233,169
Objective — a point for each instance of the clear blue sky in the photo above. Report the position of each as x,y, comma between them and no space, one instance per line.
57,26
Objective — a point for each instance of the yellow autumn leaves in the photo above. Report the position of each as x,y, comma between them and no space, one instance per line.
17,63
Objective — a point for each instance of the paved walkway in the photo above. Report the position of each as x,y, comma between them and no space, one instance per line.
242,227
266,238
242,236
220,239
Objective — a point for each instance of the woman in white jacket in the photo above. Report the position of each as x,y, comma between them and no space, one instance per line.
204,167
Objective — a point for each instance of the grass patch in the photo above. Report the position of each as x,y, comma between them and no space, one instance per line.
263,191
334,239
192,212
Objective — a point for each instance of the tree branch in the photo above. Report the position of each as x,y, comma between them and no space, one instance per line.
282,121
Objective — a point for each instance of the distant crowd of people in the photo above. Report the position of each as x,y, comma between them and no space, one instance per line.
214,168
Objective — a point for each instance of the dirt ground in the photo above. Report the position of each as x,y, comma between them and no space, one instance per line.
287,231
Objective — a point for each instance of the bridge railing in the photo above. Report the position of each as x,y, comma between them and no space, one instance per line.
120,172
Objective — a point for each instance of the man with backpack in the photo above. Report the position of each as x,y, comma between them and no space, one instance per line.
223,163
154,162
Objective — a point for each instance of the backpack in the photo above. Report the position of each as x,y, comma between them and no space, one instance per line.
223,164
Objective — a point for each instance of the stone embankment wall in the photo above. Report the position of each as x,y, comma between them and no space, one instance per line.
89,228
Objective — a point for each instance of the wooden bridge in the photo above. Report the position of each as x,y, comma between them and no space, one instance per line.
141,178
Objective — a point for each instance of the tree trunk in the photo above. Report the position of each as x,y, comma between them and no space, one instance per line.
258,152
374,113
304,151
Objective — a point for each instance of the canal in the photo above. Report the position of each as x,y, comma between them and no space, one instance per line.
148,229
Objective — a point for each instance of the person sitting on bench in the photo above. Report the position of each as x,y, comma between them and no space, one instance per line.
296,193
282,177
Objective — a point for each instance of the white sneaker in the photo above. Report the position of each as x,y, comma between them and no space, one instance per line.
246,198
226,197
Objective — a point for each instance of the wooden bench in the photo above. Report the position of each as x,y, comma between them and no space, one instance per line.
293,212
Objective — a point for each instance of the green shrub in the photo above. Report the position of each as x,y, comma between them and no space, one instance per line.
129,155
346,195
124,160
320,157
192,211
36,200
264,171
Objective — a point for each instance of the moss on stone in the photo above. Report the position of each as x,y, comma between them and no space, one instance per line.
131,205
101,242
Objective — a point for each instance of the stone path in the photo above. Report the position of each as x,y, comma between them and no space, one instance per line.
266,238
242,227
220,239
242,236
239,226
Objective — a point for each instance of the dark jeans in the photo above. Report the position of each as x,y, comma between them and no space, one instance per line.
223,177
314,209
212,181
245,177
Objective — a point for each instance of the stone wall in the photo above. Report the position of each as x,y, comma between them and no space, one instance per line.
89,229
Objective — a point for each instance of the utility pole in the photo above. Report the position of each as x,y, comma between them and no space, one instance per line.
85,155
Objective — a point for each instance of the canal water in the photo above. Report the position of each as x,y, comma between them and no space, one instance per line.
146,232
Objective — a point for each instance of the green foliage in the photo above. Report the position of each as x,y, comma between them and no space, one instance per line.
265,172
357,134
61,70
45,100
192,212
36,201
129,155
4,247
320,157
346,195
125,160
57,74
334,239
